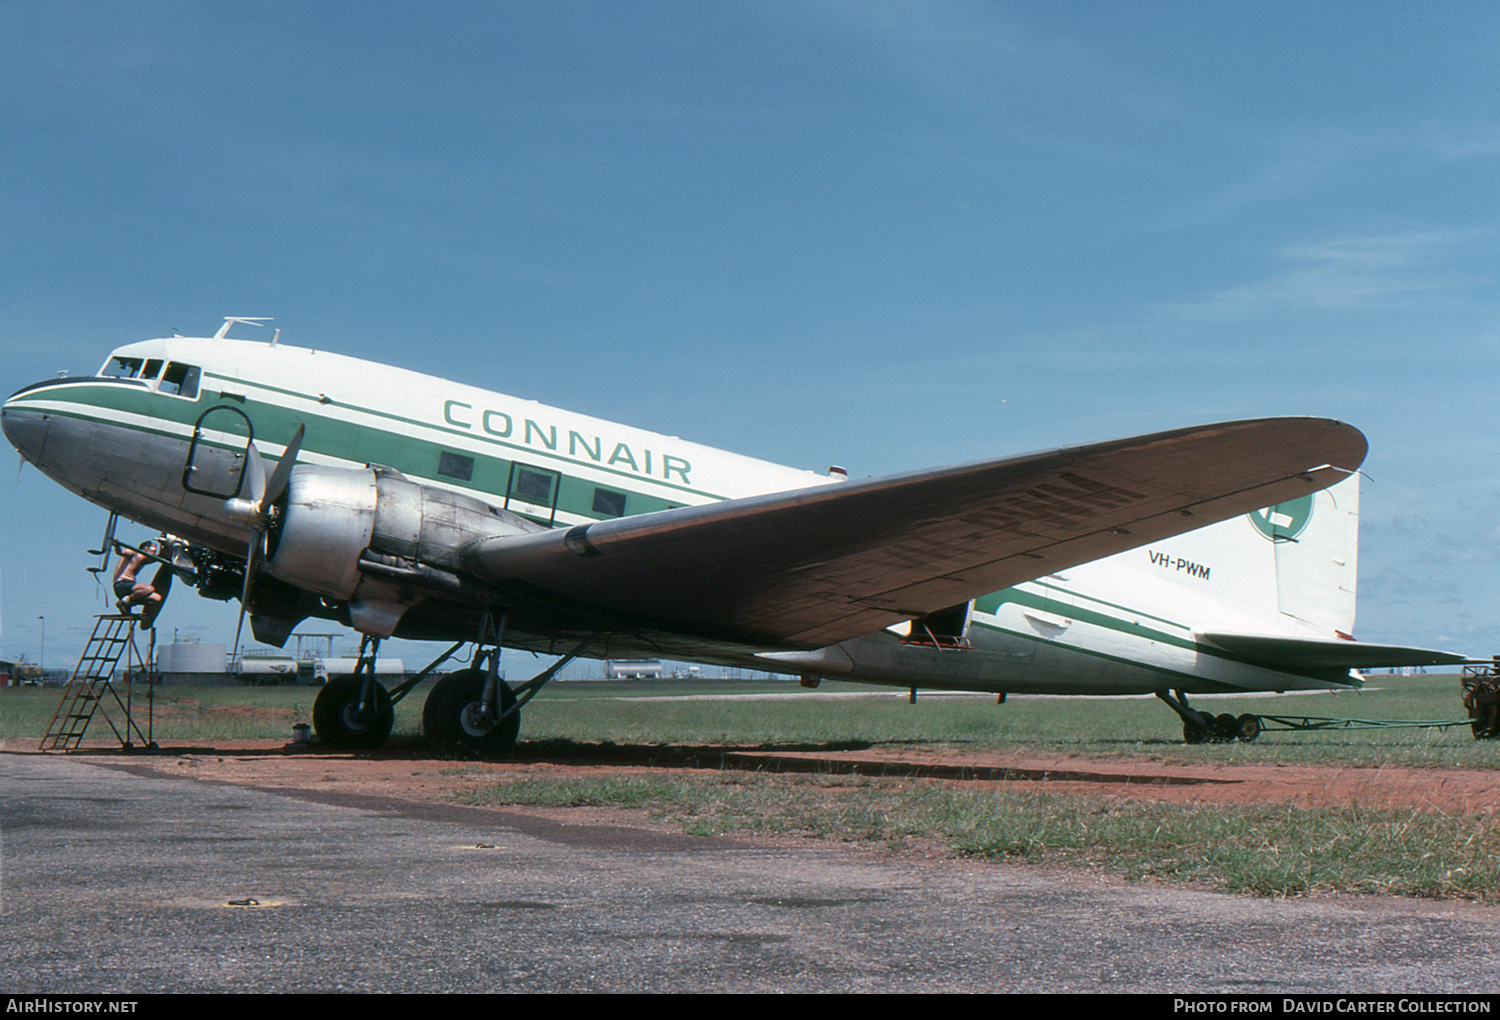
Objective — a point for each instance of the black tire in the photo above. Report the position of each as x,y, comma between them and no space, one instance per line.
1225,728
335,715
1192,733
1249,727
449,716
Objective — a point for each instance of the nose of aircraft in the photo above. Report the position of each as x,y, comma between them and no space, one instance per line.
26,429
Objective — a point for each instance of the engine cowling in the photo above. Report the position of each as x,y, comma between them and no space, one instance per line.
333,520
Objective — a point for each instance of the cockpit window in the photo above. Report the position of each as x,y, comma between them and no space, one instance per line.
179,379
122,368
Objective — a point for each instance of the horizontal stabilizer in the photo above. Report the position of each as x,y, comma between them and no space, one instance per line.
1321,653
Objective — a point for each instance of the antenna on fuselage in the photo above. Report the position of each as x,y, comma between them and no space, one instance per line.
230,320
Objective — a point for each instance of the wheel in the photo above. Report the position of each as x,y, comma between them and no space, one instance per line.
1226,728
1248,727
1192,733
451,716
338,721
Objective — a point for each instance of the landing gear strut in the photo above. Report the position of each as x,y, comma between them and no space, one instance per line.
474,710
1205,727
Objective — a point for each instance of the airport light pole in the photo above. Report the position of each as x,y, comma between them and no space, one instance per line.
41,655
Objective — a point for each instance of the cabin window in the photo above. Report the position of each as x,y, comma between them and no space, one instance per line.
152,369
609,503
122,368
180,379
533,486
456,465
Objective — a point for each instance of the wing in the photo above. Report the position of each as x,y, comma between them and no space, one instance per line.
814,566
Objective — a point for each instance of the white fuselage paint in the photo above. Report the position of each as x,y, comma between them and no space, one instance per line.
1123,625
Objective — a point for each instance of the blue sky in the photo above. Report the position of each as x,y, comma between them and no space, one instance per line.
880,234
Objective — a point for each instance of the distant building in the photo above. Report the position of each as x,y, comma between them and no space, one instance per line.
191,657
191,662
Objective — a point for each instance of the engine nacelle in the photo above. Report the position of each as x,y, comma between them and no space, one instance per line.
335,517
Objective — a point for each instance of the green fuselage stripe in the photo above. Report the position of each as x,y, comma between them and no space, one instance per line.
990,604
467,434
358,444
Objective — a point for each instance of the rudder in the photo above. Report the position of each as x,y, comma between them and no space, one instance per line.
1315,540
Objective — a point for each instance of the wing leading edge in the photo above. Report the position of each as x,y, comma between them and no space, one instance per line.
814,566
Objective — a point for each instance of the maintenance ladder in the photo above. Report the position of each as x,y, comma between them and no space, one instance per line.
90,691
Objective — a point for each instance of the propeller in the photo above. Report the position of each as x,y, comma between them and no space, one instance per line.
256,512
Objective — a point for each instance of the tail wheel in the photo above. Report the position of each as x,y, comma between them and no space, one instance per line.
1192,733
1226,728
340,723
451,718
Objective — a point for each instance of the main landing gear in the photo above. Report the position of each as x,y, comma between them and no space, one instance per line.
474,711
471,711
1207,728
353,710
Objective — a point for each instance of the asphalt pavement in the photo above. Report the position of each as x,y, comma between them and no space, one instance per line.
113,882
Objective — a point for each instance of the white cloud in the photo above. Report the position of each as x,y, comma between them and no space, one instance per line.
1353,273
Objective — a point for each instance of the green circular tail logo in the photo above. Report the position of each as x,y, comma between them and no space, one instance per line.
1284,521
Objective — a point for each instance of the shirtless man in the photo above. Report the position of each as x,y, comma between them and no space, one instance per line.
130,591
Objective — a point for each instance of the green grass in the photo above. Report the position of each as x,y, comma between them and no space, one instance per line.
1261,850
1264,850
185,715
666,712
1082,726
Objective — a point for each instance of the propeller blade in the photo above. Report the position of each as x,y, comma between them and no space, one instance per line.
277,485
162,584
252,564
255,474
263,493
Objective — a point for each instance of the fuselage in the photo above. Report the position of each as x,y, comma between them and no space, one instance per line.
160,436
122,441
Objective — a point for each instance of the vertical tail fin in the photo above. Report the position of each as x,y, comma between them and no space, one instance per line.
1287,570
1275,587
1315,541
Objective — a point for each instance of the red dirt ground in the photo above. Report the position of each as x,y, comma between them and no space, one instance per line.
413,774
